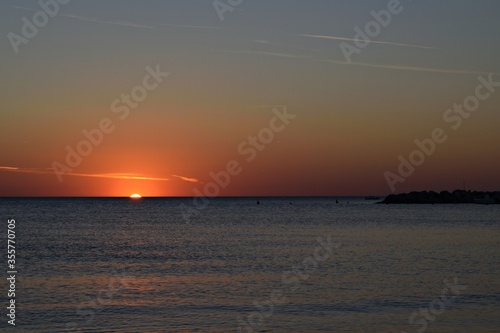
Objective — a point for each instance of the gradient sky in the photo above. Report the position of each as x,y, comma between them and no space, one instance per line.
353,120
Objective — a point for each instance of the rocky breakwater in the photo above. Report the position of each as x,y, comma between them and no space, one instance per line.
444,197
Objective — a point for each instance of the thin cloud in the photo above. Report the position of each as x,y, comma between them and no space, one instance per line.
273,54
186,179
366,41
261,41
123,176
266,42
190,26
268,106
124,23
26,170
94,20
8,168
411,68
118,176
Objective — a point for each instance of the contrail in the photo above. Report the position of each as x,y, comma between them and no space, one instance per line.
273,54
125,176
367,41
411,68
123,23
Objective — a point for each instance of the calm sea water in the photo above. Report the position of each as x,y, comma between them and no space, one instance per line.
285,265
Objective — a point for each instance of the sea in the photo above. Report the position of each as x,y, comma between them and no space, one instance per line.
280,264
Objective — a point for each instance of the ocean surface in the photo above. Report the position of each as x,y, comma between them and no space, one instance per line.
232,265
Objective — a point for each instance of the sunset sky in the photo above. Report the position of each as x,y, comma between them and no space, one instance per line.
227,79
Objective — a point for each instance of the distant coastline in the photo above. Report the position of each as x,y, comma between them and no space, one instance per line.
444,197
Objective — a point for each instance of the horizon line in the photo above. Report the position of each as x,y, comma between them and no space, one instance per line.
187,196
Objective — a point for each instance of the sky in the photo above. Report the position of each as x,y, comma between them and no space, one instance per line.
269,98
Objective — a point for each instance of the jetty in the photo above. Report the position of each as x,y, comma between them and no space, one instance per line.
444,197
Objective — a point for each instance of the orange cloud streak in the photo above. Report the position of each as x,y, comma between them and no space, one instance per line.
124,176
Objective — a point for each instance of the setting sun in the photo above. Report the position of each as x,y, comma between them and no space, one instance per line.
136,196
